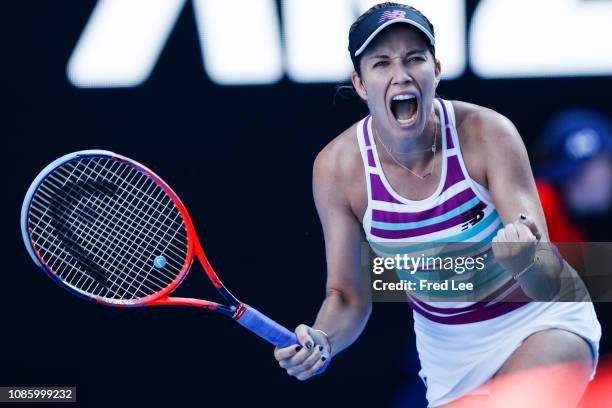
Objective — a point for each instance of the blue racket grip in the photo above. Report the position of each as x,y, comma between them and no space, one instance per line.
265,327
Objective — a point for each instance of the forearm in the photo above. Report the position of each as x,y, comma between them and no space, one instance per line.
342,320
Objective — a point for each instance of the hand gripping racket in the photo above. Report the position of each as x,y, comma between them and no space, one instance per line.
110,230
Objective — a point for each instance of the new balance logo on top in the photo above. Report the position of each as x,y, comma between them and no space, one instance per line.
392,15
473,218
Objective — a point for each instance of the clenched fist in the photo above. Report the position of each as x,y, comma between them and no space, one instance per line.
515,245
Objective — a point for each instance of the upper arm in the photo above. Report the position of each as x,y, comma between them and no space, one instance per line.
508,171
341,229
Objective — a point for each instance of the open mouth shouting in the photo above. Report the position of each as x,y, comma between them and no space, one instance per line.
404,108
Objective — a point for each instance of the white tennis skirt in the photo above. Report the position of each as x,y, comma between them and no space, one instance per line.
457,359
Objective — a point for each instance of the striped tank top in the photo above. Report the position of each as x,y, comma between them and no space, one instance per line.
459,211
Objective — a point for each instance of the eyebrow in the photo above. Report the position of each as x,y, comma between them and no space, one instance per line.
385,56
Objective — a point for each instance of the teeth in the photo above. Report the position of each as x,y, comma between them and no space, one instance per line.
403,97
404,121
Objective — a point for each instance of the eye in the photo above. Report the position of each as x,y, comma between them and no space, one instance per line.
380,64
415,58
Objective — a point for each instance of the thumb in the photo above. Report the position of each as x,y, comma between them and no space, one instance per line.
302,333
530,223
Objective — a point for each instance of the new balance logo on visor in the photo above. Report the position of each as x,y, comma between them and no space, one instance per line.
391,15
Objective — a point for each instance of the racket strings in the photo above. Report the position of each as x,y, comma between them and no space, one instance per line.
74,226
133,214
107,213
89,197
131,237
97,236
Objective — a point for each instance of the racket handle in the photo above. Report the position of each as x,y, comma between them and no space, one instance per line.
264,327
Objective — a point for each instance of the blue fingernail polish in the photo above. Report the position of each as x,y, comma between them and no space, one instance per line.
309,344
298,348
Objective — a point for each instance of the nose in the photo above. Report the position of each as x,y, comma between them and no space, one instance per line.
400,72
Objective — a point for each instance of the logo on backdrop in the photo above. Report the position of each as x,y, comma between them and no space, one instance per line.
123,40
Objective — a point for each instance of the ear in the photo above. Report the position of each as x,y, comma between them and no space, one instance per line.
438,72
358,85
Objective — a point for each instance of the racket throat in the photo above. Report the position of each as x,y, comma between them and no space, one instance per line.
239,312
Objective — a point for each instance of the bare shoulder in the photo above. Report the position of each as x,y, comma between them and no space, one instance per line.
485,133
339,158
483,126
503,155
338,171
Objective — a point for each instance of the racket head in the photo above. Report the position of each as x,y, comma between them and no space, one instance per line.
91,192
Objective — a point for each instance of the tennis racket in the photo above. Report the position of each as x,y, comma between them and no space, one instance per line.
108,229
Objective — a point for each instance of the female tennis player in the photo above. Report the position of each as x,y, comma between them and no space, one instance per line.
422,169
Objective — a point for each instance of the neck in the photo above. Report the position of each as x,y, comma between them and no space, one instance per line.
412,152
